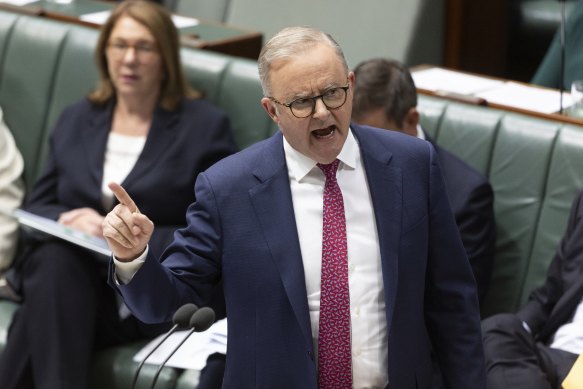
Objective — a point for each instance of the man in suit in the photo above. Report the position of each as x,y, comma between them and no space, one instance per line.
331,280
385,97
536,347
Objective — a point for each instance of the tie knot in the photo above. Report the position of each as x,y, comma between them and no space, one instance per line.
329,169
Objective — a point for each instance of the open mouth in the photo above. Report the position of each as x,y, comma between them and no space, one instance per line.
323,133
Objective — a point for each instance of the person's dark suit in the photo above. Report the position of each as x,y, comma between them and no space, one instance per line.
472,199
179,145
242,230
549,306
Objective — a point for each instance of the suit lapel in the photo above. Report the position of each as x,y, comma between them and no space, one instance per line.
272,203
160,137
385,185
95,140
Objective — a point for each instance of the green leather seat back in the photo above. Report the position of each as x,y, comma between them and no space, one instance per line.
431,111
28,72
77,73
565,177
188,379
75,77
520,163
7,21
469,132
7,309
204,71
115,368
240,96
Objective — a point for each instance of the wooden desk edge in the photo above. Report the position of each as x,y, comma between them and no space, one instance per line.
473,100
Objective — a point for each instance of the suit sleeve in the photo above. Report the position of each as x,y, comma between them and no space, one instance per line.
189,269
542,300
477,227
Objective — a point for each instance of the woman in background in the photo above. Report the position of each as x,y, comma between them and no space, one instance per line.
143,128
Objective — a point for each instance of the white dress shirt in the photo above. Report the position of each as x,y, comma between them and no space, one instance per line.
569,336
367,303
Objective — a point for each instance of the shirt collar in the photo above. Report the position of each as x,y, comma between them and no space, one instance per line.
300,165
420,133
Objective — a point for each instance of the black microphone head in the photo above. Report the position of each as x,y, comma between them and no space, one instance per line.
183,314
202,319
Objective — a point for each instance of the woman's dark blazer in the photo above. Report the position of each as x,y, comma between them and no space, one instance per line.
179,145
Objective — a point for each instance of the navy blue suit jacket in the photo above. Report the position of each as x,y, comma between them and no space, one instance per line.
472,202
553,303
180,144
242,230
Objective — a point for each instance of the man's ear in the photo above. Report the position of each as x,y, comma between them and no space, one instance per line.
411,121
269,107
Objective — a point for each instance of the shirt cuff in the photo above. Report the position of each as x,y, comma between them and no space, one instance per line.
125,271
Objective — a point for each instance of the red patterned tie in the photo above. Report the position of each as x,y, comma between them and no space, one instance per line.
334,356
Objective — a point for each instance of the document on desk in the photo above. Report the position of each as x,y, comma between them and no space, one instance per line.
194,351
18,2
527,97
101,17
442,80
52,228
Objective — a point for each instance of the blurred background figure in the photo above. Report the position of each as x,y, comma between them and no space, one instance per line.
11,195
385,97
143,127
549,70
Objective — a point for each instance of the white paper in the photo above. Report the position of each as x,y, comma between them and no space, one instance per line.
526,97
193,353
183,21
101,17
96,17
436,79
18,2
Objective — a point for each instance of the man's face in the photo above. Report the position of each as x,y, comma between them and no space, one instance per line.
317,70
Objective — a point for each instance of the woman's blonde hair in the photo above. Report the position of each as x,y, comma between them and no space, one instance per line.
159,22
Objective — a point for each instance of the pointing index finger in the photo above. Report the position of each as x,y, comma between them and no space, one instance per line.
123,197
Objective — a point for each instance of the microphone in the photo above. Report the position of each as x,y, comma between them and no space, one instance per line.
181,320
200,321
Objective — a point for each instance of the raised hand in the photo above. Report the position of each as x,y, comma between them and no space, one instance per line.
126,230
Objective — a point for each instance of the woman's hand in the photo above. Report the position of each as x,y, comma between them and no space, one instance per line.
87,220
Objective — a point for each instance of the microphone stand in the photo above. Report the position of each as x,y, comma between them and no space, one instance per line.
181,319
192,330
135,380
200,321
562,62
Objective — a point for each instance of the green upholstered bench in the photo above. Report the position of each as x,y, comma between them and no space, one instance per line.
534,165
44,66
535,168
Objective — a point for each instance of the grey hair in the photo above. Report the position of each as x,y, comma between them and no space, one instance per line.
291,42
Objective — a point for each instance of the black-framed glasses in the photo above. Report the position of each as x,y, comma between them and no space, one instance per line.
303,107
